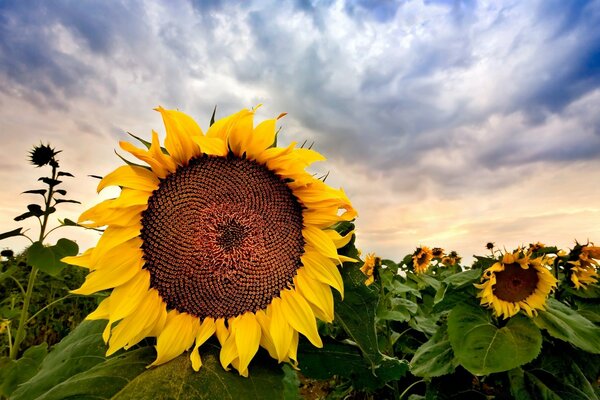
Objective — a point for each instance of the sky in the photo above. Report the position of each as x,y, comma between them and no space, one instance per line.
448,123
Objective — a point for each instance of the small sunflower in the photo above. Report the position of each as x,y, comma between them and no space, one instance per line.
516,282
222,234
451,259
43,155
368,268
583,271
421,259
437,252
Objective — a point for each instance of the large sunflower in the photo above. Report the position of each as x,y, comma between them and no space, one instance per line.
222,234
516,282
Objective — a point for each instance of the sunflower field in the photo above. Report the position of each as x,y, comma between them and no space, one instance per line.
225,270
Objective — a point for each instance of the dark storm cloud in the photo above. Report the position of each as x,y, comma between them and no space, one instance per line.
33,57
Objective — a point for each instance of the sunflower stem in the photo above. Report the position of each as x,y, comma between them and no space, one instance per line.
20,335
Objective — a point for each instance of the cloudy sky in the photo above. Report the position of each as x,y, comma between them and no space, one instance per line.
448,123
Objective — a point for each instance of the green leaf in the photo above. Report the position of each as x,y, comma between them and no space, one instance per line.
35,191
47,259
356,315
68,222
399,288
401,310
82,349
126,161
518,388
24,216
543,385
67,201
41,257
463,278
344,360
564,323
177,380
50,182
8,273
105,379
482,348
15,372
144,142
212,117
291,383
14,232
435,357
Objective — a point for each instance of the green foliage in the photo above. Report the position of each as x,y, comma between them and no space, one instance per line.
77,368
15,372
483,348
564,323
435,357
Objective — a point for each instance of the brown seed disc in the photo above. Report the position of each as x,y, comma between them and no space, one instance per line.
515,283
221,236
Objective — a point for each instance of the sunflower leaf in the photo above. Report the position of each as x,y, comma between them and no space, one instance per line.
564,323
340,359
35,191
177,380
15,372
41,257
14,232
79,351
435,357
482,348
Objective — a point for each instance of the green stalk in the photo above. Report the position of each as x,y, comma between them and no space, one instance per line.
20,336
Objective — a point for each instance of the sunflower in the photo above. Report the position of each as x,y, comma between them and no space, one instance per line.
451,259
583,271
221,234
516,282
421,259
368,268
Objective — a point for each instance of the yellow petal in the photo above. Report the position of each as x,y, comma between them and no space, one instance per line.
263,137
240,131
126,298
211,145
136,326
132,177
323,269
112,237
84,260
221,331
145,155
300,316
247,342
266,341
177,336
124,269
320,241
317,293
207,329
279,329
180,128
229,351
101,312
157,152
339,240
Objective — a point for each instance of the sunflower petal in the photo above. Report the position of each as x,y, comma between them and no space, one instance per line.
323,269
177,336
211,145
300,316
181,128
132,177
320,241
280,330
263,137
207,329
248,342
317,293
